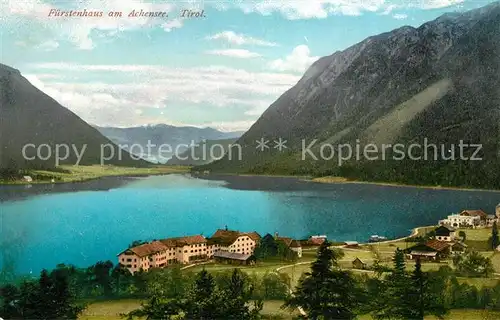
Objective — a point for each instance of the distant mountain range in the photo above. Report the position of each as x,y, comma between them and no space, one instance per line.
437,83
204,152
30,118
176,140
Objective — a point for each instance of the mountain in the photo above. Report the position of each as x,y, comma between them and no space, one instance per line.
175,140
206,151
30,118
437,83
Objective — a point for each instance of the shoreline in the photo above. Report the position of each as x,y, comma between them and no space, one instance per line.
184,170
83,176
341,180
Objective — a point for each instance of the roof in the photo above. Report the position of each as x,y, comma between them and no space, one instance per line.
317,240
232,255
289,242
351,243
358,259
295,244
443,231
147,249
228,237
473,213
423,253
437,245
183,241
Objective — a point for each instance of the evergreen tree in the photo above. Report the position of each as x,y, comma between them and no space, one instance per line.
494,236
235,299
425,295
157,308
9,296
393,301
327,292
202,303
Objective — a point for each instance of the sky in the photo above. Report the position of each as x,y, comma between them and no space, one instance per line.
222,70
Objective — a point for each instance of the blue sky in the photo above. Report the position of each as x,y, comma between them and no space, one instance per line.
222,70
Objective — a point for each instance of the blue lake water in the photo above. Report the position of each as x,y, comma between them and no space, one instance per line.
87,224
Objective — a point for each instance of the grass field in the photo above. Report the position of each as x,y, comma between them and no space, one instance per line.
259,268
111,310
477,238
84,173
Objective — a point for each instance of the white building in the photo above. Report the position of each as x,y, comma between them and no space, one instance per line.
445,234
461,221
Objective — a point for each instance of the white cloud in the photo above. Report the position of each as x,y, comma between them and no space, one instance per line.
240,39
400,16
298,61
78,30
235,53
320,9
147,90
49,45
436,4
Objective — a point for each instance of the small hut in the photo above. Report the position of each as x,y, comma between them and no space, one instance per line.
358,264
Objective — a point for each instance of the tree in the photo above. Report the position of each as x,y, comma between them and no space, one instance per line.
494,236
236,299
48,298
205,300
327,292
462,235
101,275
392,303
157,308
473,264
202,303
9,294
422,299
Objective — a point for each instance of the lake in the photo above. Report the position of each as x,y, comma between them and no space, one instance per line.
82,223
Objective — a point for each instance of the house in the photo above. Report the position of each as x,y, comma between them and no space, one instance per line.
234,258
317,240
358,264
27,179
188,249
144,256
351,244
475,213
432,250
444,233
161,253
461,221
293,244
234,241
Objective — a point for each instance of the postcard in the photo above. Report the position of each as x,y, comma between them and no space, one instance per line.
247,159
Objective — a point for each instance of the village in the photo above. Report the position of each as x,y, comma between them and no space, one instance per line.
224,246
232,247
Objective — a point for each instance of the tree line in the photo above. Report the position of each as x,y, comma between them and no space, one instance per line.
325,292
